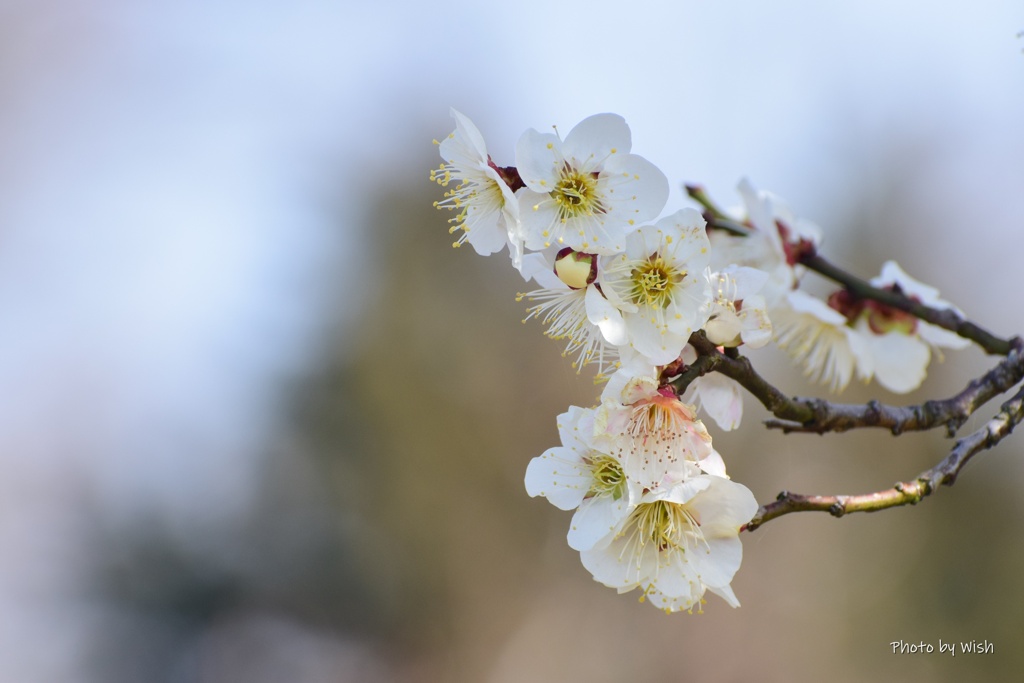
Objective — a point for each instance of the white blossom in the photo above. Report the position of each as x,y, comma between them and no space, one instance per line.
586,192
677,542
657,288
488,212
776,238
581,475
898,346
660,439
738,313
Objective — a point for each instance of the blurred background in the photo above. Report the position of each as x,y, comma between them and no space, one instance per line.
260,422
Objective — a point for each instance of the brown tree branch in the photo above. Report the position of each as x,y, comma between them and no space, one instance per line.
951,412
819,416
903,493
739,369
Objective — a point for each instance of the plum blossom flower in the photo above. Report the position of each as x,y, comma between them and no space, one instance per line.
677,542
658,436
488,212
657,289
581,475
819,338
586,192
898,346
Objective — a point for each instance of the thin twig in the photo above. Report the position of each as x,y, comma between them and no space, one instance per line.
903,493
711,210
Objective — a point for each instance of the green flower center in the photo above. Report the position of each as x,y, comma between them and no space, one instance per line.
576,194
660,523
609,478
669,526
654,282
883,319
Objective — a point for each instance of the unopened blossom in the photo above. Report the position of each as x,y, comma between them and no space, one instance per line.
659,437
657,288
581,475
677,542
571,305
586,192
488,212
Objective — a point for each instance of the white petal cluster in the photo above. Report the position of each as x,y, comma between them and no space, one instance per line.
676,543
611,281
653,507
660,438
583,476
834,340
898,347
776,237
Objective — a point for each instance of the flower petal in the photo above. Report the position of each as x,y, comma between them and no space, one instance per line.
560,476
900,361
608,319
538,158
721,399
597,137
596,518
